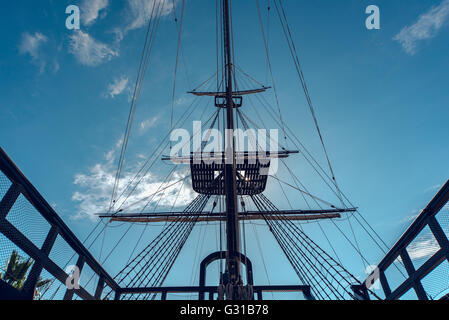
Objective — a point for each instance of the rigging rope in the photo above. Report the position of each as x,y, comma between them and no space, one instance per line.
271,71
176,64
150,162
356,246
320,171
151,266
146,54
288,35
328,275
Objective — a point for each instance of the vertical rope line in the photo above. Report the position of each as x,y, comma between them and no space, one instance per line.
271,71
176,66
288,35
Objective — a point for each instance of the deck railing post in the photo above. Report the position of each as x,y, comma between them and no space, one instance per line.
417,285
307,292
439,235
20,185
31,282
100,287
8,200
79,264
385,285
361,292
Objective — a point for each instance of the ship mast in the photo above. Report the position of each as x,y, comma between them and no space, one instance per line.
145,275
232,223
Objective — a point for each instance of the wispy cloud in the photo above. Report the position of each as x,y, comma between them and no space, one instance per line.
117,87
415,213
426,27
95,189
31,44
409,219
56,66
148,124
423,248
140,12
90,10
433,188
88,51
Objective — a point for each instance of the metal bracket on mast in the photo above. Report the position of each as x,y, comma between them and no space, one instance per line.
220,102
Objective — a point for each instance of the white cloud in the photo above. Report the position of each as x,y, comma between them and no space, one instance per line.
142,10
424,247
31,44
95,189
426,27
421,248
149,123
89,51
90,10
56,66
139,13
433,188
117,87
415,214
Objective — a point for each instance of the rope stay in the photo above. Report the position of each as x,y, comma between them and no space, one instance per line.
177,61
152,28
314,266
289,38
270,68
151,266
367,228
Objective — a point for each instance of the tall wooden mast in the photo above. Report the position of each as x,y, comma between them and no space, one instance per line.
232,224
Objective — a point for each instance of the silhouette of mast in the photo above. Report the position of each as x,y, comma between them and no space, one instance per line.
232,223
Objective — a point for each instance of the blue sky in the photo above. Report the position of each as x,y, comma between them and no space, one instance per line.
380,96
